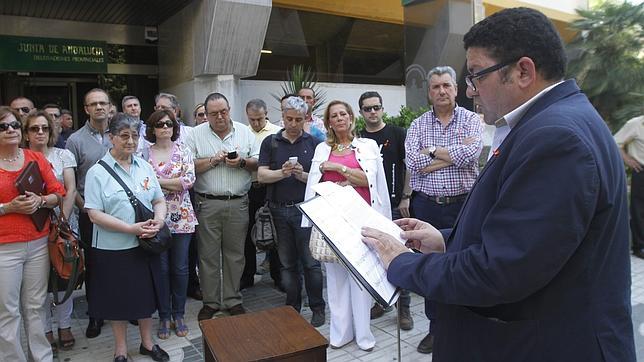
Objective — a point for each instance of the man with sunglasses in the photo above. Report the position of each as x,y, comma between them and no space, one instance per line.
22,105
88,145
537,265
442,152
391,140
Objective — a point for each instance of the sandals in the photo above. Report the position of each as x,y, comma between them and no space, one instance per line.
164,329
66,338
181,329
52,342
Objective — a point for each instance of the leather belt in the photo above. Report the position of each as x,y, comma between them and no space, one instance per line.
442,200
276,204
257,185
219,197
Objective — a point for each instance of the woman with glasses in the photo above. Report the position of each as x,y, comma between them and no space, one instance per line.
199,114
40,136
24,258
174,167
127,275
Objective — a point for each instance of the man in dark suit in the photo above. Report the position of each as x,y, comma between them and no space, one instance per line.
536,267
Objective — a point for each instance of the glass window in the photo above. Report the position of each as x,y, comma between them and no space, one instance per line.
339,49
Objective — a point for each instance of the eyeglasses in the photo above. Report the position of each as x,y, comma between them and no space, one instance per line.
469,79
96,104
36,129
201,114
22,109
160,124
126,137
5,126
367,109
216,114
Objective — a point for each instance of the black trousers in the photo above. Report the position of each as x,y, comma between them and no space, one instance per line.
85,231
637,210
441,217
256,199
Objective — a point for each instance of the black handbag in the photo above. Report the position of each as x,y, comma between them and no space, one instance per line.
163,239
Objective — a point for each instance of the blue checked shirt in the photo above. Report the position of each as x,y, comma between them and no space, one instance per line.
426,131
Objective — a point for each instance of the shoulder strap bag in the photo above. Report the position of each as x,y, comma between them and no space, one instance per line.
162,240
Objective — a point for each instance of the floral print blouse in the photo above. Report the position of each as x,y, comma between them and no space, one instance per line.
181,218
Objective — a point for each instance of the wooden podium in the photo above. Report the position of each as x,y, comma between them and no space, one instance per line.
277,334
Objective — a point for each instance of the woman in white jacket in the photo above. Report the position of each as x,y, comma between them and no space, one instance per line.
348,160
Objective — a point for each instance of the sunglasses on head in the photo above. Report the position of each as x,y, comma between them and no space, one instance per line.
5,126
376,108
161,124
36,129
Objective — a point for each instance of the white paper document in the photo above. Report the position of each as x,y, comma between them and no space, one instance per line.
340,213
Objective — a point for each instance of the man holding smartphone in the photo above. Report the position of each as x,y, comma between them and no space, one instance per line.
225,155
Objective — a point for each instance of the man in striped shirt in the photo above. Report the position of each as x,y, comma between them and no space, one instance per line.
442,150
225,155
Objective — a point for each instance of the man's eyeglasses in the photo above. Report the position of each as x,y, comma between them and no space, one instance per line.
96,104
5,126
367,109
22,109
160,124
469,79
36,129
215,114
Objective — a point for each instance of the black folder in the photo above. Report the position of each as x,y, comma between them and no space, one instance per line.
31,180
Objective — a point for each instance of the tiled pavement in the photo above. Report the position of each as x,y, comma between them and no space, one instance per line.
263,296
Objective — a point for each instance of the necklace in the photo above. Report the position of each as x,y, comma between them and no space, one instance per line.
340,147
14,159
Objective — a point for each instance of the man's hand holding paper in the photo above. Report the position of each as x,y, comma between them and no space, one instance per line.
419,235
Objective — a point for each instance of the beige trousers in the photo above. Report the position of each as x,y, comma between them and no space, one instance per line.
221,234
24,271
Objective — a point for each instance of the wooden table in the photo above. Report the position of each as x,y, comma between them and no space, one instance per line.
277,334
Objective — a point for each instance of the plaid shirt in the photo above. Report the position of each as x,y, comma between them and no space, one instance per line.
426,131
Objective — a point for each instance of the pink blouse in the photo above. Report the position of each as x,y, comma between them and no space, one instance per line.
350,161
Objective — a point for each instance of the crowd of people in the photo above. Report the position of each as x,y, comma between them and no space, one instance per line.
491,273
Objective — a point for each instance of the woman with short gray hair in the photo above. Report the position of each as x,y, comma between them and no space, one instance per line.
115,256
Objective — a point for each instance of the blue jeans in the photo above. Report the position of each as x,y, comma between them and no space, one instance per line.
293,246
174,278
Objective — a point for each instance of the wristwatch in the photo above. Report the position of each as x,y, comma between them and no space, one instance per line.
432,150
344,169
406,196
2,210
242,163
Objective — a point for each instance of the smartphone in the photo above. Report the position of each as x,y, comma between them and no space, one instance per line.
292,160
232,155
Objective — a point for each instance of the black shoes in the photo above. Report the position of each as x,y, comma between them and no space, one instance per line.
426,345
195,294
318,318
94,328
206,312
378,311
405,319
120,359
639,253
237,310
156,353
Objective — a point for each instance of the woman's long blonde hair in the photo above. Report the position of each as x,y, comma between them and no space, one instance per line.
331,138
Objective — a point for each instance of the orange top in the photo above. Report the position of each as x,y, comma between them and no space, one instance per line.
19,227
